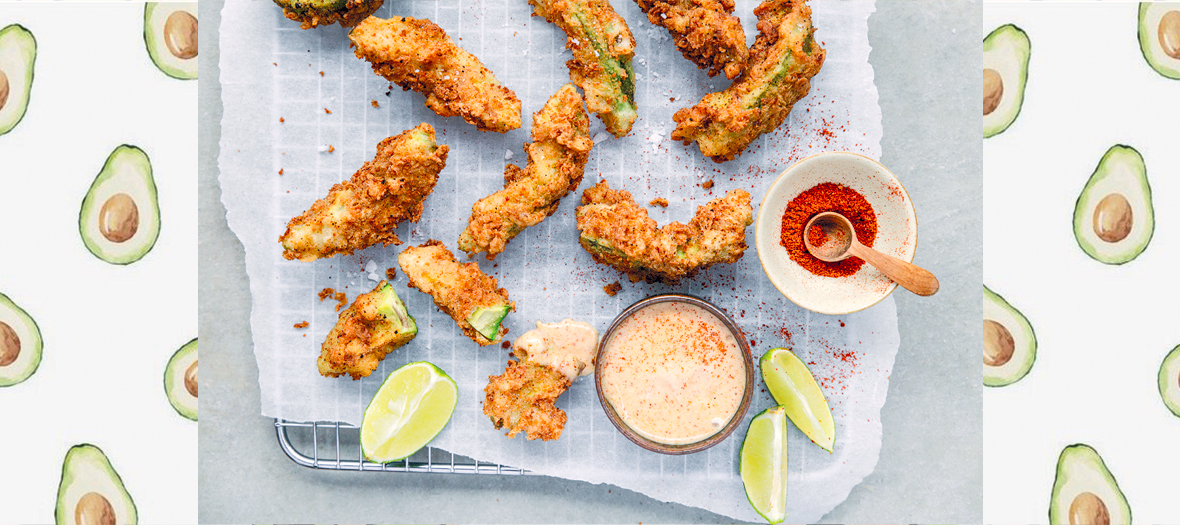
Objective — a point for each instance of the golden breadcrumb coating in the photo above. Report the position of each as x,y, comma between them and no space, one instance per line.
366,332
556,161
457,289
314,13
782,61
618,232
522,400
365,209
705,31
417,54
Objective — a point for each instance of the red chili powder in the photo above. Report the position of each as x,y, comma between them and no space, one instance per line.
823,197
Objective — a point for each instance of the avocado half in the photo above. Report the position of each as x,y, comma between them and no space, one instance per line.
91,492
170,33
120,217
1114,220
1170,381
1006,52
1009,343
18,52
20,343
180,380
1159,36
1085,492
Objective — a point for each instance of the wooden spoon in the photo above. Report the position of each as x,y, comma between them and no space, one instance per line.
840,243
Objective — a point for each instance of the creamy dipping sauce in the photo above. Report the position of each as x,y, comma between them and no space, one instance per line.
673,373
568,347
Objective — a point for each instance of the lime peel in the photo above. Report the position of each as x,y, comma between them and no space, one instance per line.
763,464
412,406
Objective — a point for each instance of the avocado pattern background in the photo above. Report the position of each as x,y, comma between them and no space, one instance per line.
1102,329
109,330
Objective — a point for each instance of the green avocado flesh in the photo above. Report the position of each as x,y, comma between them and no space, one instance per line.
1005,72
91,492
394,311
120,217
20,343
1009,343
1159,36
180,380
1113,220
1170,381
486,319
1085,492
18,52
170,33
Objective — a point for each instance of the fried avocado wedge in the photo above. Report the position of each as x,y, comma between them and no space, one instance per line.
365,209
522,400
472,298
617,232
315,13
705,31
556,161
603,47
417,54
376,324
778,73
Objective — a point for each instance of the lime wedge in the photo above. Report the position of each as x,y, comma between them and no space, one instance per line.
793,387
413,405
764,464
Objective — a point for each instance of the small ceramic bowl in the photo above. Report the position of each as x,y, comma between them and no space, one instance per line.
747,360
897,232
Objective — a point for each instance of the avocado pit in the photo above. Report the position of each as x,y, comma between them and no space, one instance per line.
998,344
1113,218
180,35
118,220
94,509
3,88
9,344
1088,509
1169,34
993,90
190,379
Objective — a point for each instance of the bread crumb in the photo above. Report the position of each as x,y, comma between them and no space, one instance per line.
506,344
328,111
281,120
331,148
391,273
375,104
661,202
280,171
321,73
612,288
340,297
301,324
708,185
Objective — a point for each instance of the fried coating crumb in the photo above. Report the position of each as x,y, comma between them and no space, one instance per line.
417,54
556,162
661,202
375,104
783,59
506,345
364,335
612,288
340,297
708,185
364,210
522,400
603,47
391,273
705,31
312,13
302,324
457,289
617,232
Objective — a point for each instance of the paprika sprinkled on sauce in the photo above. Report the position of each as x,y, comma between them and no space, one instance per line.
823,197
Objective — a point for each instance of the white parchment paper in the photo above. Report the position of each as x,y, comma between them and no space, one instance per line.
300,102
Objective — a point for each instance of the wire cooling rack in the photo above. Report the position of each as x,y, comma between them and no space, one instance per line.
336,446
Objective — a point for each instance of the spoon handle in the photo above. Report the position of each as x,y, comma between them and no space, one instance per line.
910,276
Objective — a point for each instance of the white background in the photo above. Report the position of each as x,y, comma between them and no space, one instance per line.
1102,330
109,330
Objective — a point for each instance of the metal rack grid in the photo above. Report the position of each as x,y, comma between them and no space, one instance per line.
329,452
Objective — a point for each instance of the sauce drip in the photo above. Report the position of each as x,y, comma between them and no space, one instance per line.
568,347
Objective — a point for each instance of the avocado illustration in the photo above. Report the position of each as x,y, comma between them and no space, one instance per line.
1009,343
1005,71
18,52
120,217
20,343
1085,492
180,380
1113,220
1170,380
170,32
1159,36
91,492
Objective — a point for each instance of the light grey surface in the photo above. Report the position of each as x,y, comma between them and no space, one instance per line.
926,59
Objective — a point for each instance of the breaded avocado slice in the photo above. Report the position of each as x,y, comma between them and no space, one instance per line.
314,13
